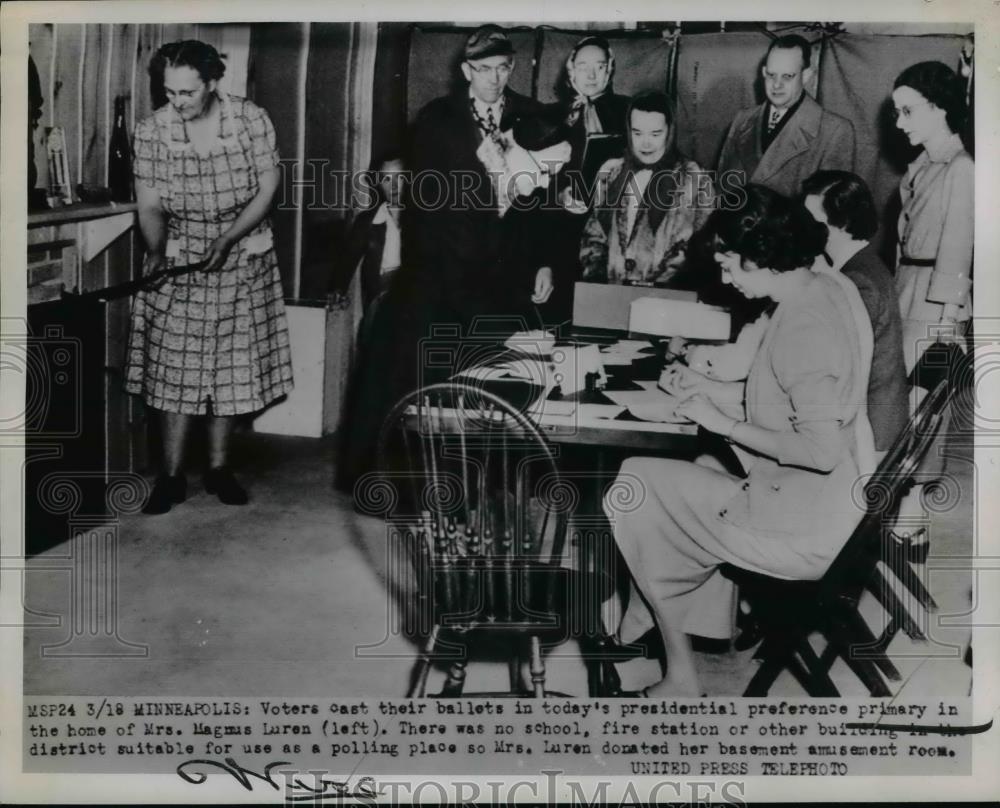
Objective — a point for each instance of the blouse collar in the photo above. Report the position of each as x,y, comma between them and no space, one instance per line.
943,149
179,129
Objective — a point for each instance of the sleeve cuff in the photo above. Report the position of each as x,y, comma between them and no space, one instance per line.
949,288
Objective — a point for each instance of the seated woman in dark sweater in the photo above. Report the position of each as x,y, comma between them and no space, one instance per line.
841,201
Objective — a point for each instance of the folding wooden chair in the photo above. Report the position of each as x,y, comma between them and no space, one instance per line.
790,612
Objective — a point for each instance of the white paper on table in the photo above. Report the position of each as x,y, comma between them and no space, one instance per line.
489,373
648,404
600,410
557,409
627,346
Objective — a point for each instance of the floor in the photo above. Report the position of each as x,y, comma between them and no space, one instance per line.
295,594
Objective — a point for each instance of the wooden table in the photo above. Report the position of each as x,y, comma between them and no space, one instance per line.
596,442
623,432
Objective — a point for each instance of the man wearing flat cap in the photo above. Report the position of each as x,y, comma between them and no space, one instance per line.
458,141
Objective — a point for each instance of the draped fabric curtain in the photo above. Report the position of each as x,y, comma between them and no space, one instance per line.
435,56
82,68
316,81
642,62
718,75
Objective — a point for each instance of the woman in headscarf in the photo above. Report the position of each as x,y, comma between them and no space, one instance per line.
594,107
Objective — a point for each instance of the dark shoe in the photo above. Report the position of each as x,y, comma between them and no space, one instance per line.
221,482
750,636
167,491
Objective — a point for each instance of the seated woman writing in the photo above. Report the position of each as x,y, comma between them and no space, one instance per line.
800,417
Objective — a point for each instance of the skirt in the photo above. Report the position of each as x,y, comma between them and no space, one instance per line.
212,341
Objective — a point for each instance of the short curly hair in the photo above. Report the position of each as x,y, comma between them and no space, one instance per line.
846,200
191,53
771,230
938,83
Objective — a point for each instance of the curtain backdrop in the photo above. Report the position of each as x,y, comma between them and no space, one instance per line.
435,56
641,62
718,75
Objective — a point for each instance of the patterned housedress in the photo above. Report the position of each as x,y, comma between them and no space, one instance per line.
210,339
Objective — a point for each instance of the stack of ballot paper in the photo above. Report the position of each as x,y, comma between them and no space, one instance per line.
625,352
678,318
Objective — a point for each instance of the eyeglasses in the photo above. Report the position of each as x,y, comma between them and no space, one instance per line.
907,112
502,71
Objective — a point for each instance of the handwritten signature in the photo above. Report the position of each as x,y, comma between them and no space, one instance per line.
295,789
921,729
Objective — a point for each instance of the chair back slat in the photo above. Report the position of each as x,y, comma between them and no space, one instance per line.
497,540
851,570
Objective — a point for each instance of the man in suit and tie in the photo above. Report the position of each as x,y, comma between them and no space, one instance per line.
453,268
789,137
456,201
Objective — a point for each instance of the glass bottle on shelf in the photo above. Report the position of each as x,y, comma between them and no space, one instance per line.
120,156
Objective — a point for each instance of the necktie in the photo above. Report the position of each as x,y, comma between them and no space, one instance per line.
774,119
491,122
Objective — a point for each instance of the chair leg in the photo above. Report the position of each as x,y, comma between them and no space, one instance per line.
899,615
602,675
774,653
908,578
537,668
454,682
514,673
865,669
866,646
801,673
418,678
821,685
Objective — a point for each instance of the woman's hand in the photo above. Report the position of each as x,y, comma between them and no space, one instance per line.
682,382
677,348
700,409
571,203
543,285
218,252
153,262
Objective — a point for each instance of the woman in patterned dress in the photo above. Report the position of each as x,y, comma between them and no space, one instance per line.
212,343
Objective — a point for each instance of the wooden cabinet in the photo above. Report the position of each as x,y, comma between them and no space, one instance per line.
81,429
